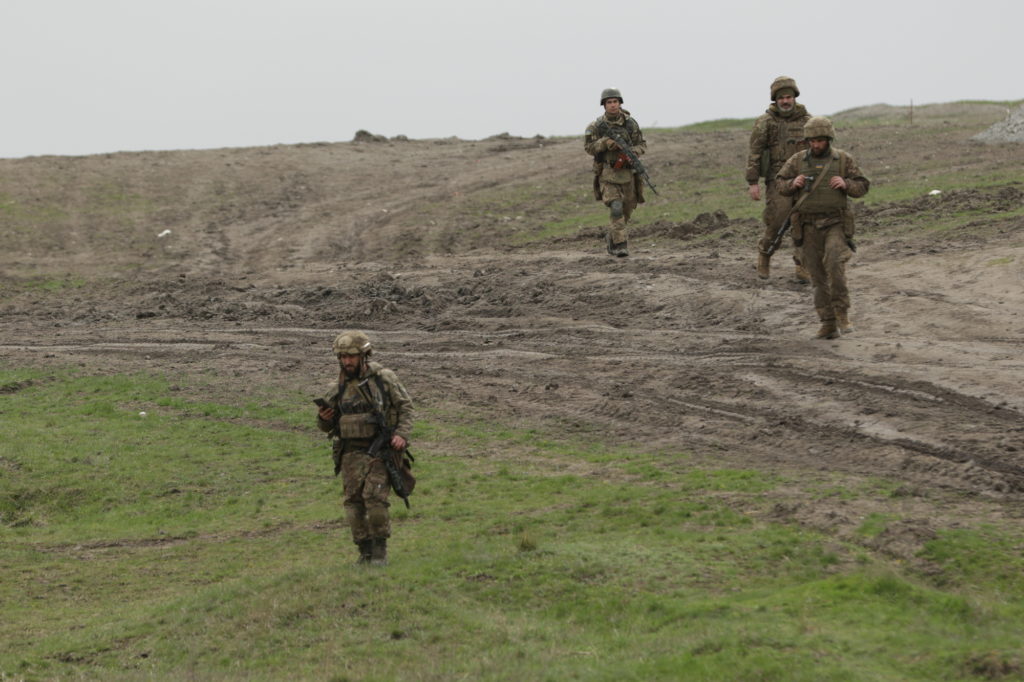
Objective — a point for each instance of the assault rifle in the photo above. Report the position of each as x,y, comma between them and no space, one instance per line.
777,241
381,449
627,149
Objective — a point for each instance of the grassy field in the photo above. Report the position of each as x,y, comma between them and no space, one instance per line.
206,541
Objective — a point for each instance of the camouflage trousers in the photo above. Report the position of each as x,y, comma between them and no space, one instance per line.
825,254
626,193
366,484
776,208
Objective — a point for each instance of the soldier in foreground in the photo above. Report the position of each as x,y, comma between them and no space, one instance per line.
778,134
824,177
369,416
616,143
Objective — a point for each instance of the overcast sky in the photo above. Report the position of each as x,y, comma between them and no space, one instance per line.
92,76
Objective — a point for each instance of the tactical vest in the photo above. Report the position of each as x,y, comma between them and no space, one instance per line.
785,138
823,199
628,130
357,420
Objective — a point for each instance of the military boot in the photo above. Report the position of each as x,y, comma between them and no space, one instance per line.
801,274
843,322
828,330
762,265
379,554
621,250
608,243
365,551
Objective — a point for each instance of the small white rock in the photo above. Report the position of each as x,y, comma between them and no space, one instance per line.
163,234
935,191
142,414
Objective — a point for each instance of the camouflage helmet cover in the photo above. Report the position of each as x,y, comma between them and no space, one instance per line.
608,93
819,126
784,82
352,343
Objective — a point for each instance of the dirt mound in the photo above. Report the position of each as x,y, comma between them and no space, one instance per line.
1009,130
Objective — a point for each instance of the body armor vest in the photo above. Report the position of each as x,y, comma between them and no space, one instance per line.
823,199
357,420
785,139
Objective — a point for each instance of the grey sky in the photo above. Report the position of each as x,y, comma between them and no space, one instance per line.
92,76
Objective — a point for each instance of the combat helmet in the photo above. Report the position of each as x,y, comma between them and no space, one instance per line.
784,82
819,126
352,343
608,93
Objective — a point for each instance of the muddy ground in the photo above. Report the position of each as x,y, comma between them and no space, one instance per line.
437,249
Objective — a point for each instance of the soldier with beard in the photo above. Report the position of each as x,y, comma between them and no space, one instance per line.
348,415
825,178
615,182
777,135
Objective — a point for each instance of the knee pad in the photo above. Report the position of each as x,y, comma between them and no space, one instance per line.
616,207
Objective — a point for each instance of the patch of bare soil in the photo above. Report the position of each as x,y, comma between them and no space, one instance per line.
270,252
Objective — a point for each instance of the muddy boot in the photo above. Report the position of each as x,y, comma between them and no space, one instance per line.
379,553
365,551
608,243
620,250
801,274
828,330
843,322
762,265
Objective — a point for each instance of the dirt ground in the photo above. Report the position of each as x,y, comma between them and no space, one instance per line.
431,246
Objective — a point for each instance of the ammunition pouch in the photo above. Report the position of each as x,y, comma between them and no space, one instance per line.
359,426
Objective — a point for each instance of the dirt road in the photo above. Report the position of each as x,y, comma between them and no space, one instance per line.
433,248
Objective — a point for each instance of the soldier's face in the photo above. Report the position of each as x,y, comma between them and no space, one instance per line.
351,364
785,102
819,145
612,105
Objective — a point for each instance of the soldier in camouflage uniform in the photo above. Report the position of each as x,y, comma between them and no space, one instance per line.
615,182
348,417
777,135
822,180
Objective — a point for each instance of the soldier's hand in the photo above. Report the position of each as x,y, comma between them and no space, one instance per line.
326,413
837,182
799,181
398,443
610,143
755,192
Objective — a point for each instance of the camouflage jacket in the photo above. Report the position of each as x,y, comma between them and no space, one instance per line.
824,199
595,141
781,136
354,414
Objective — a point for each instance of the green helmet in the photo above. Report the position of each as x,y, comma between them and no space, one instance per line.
352,343
608,93
784,82
819,126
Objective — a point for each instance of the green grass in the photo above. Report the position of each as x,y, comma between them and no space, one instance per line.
206,541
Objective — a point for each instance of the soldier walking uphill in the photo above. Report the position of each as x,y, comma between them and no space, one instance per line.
366,402
615,181
777,135
824,178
